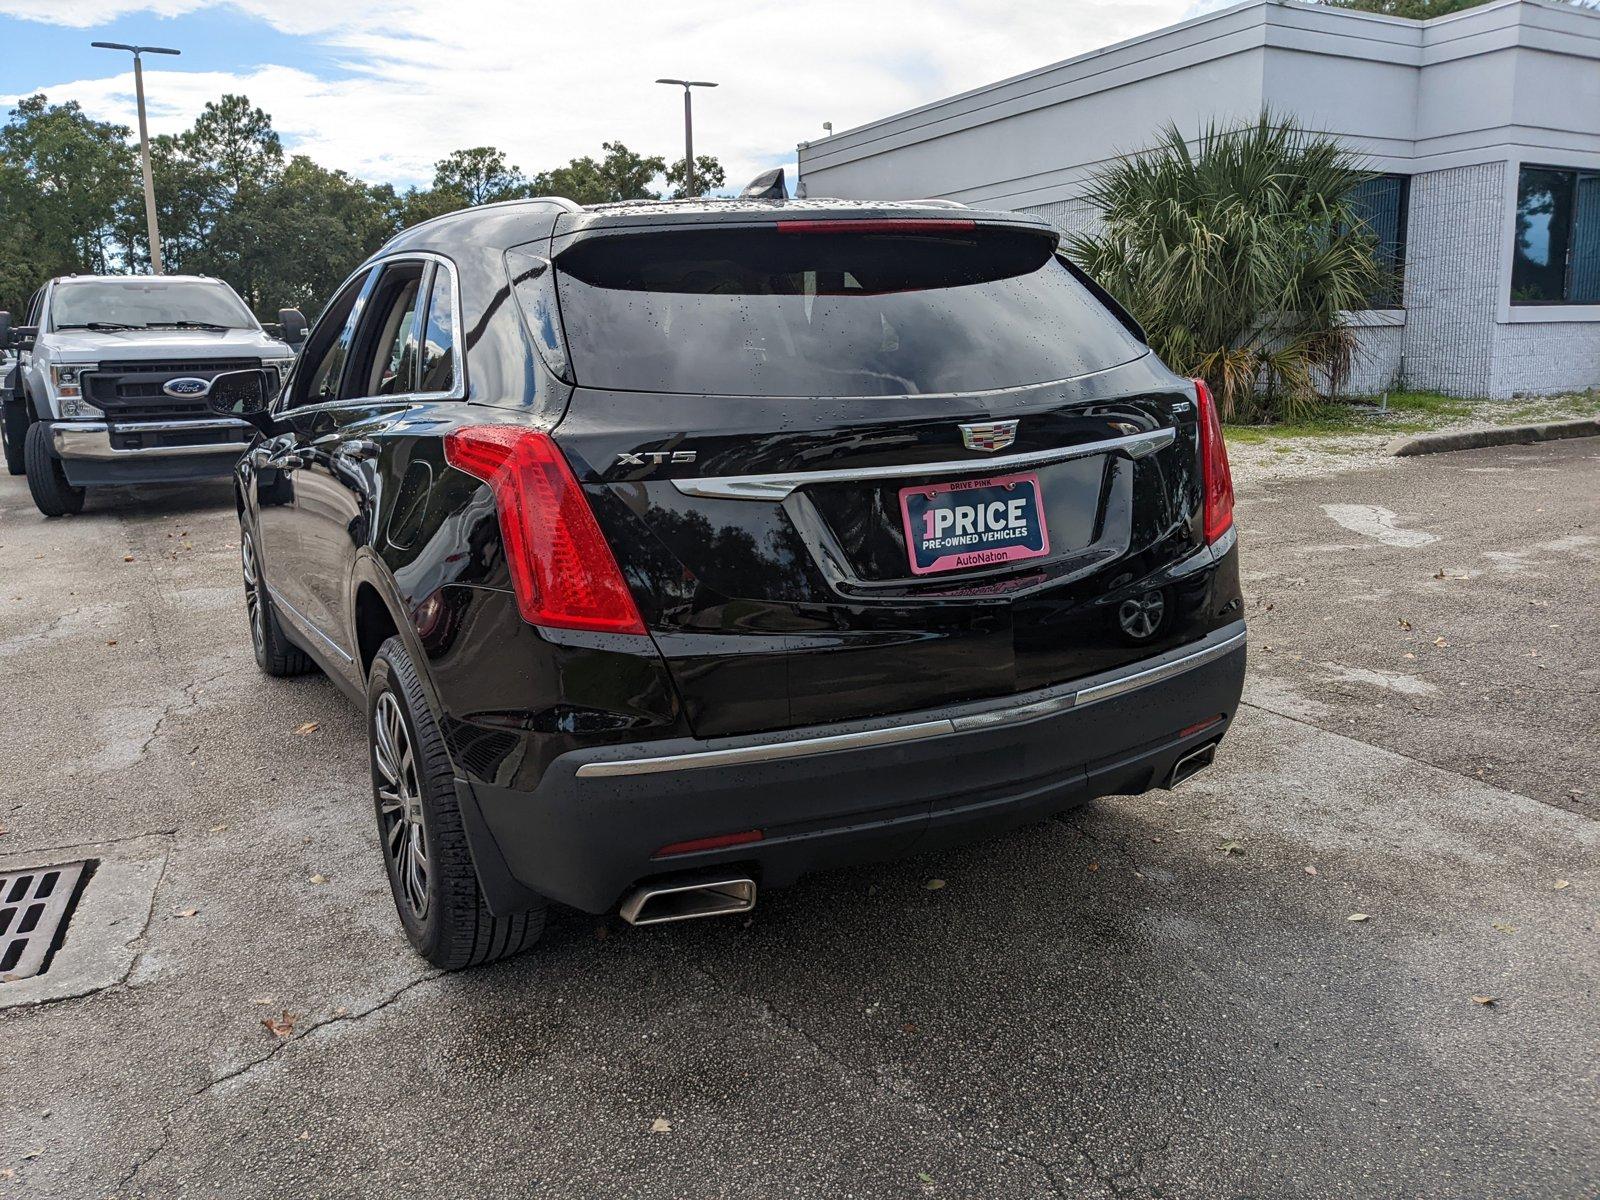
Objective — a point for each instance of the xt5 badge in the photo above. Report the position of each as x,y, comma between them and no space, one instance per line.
653,458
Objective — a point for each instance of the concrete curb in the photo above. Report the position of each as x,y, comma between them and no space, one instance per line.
1505,435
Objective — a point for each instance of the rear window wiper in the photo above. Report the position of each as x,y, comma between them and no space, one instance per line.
208,326
98,326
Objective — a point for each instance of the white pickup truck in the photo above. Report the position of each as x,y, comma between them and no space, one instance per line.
114,374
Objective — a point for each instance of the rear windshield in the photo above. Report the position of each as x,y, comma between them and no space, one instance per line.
154,304
767,312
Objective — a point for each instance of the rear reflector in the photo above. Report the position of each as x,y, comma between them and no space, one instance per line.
1200,726
564,574
720,842
932,225
1217,479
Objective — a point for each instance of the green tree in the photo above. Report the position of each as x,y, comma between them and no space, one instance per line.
620,175
708,175
1239,256
480,175
319,224
236,159
65,182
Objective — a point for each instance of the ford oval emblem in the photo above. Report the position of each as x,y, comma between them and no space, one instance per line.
186,387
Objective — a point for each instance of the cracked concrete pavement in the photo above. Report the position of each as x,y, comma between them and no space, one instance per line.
1103,1005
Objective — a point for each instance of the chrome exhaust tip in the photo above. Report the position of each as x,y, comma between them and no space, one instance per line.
1192,763
658,904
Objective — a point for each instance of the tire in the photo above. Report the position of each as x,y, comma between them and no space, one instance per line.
275,654
14,434
424,846
52,494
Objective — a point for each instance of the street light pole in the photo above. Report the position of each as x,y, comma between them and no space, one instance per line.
144,142
688,128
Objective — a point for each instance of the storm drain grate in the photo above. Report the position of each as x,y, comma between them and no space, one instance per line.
34,908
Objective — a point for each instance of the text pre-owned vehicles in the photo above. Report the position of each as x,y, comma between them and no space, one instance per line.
115,371
678,549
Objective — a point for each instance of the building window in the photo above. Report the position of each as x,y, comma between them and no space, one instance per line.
1557,253
1381,202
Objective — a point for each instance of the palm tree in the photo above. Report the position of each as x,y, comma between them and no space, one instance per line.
1239,255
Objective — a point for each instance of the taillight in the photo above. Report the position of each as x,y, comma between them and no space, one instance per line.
933,225
1217,480
561,568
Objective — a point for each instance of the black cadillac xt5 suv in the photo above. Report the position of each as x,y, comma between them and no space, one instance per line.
677,549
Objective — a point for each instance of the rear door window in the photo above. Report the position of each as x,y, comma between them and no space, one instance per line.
798,310
439,336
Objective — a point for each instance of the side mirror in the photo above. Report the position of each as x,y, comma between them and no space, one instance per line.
244,394
294,326
5,330
22,336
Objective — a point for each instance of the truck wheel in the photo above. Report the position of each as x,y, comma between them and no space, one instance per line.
419,825
275,654
53,495
14,433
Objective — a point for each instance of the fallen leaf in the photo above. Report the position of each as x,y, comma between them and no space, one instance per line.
661,1125
1411,656
340,1011
218,828
1440,642
1439,574
319,879
33,1154
1230,848
282,1026
1094,866
1404,624
1486,1001
305,1136
186,912
933,885
1561,883
1505,926
1356,917
925,1177
112,642
1311,870
127,558
8,1172
308,727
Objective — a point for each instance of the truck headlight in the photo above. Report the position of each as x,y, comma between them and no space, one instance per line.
67,381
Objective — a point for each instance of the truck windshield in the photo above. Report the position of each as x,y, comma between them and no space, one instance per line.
800,310
148,304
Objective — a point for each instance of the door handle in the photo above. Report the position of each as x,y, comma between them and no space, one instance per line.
361,449
286,462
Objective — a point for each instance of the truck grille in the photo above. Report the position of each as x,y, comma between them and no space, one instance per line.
132,390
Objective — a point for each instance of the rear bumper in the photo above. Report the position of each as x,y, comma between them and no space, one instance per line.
861,792
100,452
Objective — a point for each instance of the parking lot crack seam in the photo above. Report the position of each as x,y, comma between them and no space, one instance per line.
1401,754
189,700
777,1016
169,1121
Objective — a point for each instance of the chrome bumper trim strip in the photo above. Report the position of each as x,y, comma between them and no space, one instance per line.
918,730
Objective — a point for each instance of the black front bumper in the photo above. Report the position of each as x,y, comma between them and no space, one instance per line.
844,794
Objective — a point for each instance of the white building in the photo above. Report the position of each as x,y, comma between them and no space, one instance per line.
1485,125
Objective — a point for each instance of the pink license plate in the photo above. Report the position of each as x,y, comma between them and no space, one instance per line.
973,523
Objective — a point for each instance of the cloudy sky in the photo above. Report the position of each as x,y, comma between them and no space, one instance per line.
382,88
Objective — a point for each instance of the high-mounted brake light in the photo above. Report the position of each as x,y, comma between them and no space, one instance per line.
563,572
1217,478
888,225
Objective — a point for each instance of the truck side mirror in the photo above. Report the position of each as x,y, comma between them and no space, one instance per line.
5,329
243,394
294,326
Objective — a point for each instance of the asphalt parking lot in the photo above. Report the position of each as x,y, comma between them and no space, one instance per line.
1157,996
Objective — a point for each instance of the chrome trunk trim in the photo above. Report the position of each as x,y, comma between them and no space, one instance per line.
777,487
